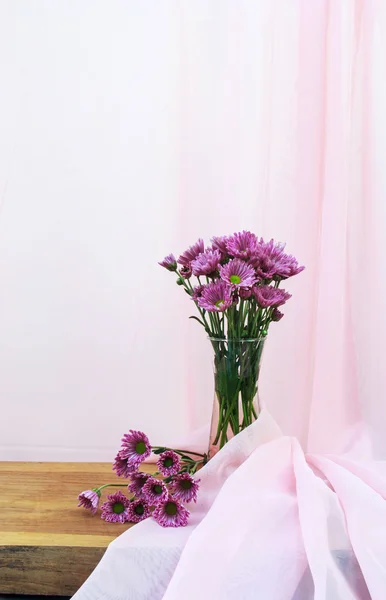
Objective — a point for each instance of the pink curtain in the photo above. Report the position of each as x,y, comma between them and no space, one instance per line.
284,101
282,127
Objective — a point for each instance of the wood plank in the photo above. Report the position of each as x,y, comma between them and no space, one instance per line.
48,545
12,538
46,571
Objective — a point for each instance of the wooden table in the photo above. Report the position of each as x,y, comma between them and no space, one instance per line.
49,546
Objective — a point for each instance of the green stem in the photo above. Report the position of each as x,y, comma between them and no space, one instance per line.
179,451
110,485
220,411
224,436
189,288
241,319
237,366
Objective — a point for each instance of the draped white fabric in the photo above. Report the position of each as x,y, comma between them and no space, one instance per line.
270,523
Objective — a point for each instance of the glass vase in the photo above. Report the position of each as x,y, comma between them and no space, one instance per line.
236,397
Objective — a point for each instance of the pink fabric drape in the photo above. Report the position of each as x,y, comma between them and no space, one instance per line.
270,522
284,101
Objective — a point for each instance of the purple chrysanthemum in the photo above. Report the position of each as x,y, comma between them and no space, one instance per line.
266,258
245,293
197,292
238,274
135,447
235,297
287,266
89,499
271,262
191,253
186,272
168,463
154,491
184,488
277,314
171,513
206,263
122,466
220,243
216,297
169,262
242,245
138,480
266,295
138,511
116,508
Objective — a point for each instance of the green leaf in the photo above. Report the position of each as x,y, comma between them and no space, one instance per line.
159,450
199,320
185,457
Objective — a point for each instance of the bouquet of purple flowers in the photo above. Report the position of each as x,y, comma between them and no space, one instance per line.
237,289
237,293
162,495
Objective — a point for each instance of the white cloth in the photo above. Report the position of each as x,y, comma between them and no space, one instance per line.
270,523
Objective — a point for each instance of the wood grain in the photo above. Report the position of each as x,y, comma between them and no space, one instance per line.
49,546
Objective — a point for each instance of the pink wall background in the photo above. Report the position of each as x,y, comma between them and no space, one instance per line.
130,129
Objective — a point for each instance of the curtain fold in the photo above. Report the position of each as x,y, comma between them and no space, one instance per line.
294,131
